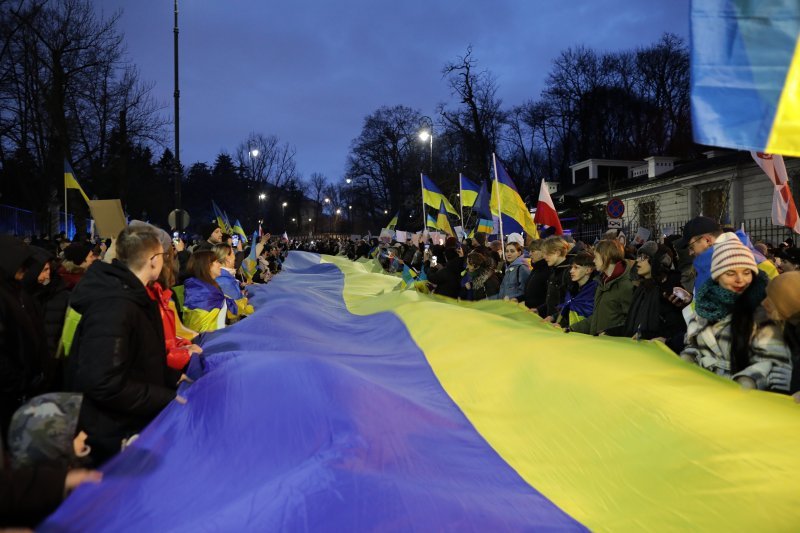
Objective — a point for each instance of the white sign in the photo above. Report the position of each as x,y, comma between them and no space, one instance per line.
400,236
641,236
614,223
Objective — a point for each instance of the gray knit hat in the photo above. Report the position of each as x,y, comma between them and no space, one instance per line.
730,254
42,430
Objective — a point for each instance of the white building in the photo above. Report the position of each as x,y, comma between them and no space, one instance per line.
661,194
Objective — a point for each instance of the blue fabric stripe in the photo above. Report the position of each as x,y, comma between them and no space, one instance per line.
311,418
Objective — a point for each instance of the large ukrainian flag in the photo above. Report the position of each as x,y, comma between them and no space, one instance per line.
342,405
745,71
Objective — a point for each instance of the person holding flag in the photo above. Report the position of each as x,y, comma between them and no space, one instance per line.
508,205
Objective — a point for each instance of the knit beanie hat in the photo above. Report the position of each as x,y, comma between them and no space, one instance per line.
730,254
207,230
515,237
77,252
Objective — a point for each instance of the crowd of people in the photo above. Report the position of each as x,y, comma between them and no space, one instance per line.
710,295
96,337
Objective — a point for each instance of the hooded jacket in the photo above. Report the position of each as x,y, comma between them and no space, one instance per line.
23,351
612,301
118,357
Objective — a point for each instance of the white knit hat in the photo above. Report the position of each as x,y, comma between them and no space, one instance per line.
515,237
730,254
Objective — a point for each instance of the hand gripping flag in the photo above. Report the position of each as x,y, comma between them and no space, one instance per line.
70,182
515,214
442,222
745,74
469,192
432,196
784,210
546,213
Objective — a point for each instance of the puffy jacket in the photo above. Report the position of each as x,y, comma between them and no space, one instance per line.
118,357
612,300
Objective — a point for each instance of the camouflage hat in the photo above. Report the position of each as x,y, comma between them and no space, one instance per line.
43,429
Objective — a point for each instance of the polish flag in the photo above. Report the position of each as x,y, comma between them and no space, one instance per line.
546,213
784,211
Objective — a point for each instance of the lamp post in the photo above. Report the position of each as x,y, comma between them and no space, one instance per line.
283,214
176,96
426,135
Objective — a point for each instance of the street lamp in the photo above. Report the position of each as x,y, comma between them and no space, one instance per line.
254,152
348,181
262,196
426,135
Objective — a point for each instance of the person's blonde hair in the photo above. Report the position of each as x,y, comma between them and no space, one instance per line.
222,251
555,245
610,252
536,246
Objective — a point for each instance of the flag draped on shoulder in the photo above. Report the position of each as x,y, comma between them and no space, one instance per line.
546,213
507,202
70,182
745,74
469,192
432,196
784,210
442,222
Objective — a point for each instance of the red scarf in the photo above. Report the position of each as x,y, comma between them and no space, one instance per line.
177,354
619,269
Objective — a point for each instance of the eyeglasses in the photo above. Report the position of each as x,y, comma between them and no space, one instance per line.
691,242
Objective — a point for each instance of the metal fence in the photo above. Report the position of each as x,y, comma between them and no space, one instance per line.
25,223
759,230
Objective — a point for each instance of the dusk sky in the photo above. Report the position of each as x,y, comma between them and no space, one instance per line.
310,71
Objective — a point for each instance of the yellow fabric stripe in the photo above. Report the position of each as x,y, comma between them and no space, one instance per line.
621,435
71,183
468,198
434,199
512,205
785,135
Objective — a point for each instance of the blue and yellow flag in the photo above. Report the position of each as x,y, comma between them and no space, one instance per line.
220,217
469,192
250,263
238,230
432,196
442,223
393,223
515,214
745,74
70,182
484,212
430,222
342,394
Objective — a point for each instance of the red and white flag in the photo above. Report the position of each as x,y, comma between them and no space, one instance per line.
546,213
784,211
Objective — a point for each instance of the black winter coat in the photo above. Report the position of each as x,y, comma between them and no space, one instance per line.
557,285
22,348
118,357
536,287
448,278
651,314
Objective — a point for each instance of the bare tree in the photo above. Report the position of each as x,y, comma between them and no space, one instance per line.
266,159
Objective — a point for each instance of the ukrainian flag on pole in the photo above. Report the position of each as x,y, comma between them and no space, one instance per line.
432,196
745,72
469,192
515,217
70,182
442,222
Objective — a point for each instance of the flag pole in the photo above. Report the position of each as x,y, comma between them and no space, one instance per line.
422,192
499,207
66,215
460,198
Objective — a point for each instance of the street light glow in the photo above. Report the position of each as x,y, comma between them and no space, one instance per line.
284,204
424,135
254,152
294,220
338,211
348,181
262,196
327,200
